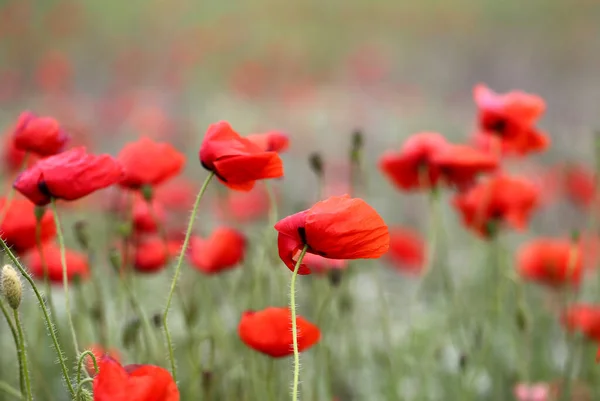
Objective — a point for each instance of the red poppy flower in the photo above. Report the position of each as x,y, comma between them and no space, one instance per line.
77,263
149,163
133,383
237,161
19,224
13,158
511,117
411,168
99,353
501,199
550,261
336,228
580,185
147,216
584,318
270,331
407,250
40,135
272,141
460,164
319,264
69,175
244,206
223,250
151,255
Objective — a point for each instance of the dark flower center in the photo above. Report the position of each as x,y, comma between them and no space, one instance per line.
43,188
497,126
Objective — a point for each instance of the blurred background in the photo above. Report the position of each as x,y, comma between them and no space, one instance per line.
113,70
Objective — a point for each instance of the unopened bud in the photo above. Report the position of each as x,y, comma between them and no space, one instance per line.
81,234
147,192
85,395
357,146
316,163
335,277
463,360
115,258
130,332
521,320
11,287
39,212
157,320
125,229
575,235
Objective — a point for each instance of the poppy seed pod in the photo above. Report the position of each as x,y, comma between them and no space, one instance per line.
11,287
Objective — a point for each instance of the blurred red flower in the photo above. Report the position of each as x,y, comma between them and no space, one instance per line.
411,168
69,175
151,255
550,261
336,228
223,250
244,206
511,117
147,216
39,135
319,264
176,194
133,383
459,165
269,331
584,318
237,161
99,353
501,199
407,250
77,263
272,141
54,72
19,224
579,184
149,163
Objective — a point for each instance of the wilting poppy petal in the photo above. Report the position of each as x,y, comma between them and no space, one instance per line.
69,175
235,160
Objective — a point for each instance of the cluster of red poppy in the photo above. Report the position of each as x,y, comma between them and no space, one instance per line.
323,237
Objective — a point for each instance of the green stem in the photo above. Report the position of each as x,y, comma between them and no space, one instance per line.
186,241
47,284
137,307
63,261
81,361
80,387
10,390
294,325
23,357
271,380
15,335
49,325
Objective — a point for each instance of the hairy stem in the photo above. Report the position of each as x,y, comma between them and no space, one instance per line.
186,241
23,358
296,379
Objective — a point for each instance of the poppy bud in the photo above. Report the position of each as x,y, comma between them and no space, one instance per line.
316,164
125,229
335,277
575,235
130,332
115,258
39,212
463,360
521,320
191,313
85,395
147,192
157,320
81,234
11,287
346,303
357,145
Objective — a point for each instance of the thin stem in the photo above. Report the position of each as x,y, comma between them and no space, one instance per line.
63,261
294,326
23,357
15,335
271,380
47,284
81,361
186,241
10,390
49,325
80,386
